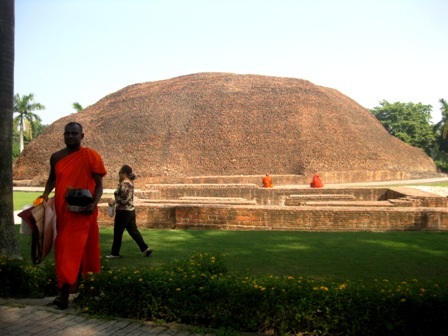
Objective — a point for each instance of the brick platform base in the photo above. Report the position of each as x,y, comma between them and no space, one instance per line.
249,207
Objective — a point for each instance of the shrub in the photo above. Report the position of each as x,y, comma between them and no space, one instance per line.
441,165
200,291
19,280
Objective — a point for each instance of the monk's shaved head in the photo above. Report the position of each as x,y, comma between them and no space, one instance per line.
73,135
74,123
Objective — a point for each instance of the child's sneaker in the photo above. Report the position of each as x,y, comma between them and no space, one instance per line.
112,257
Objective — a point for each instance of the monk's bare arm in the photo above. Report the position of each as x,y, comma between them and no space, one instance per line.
97,193
51,181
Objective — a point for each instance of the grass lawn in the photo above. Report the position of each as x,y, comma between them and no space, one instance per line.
396,256
400,256
350,255
22,198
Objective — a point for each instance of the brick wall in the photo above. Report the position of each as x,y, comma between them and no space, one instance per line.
317,219
278,195
416,197
149,216
287,218
331,177
262,196
176,191
410,209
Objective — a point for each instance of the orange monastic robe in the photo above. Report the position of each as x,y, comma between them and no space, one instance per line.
316,182
267,182
77,241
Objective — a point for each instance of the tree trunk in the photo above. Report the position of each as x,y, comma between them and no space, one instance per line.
21,135
8,238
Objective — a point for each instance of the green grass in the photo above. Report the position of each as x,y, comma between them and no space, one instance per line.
350,255
347,255
401,261
400,256
22,198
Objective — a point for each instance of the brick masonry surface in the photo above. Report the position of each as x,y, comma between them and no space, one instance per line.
371,209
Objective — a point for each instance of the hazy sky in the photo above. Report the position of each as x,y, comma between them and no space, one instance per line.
81,50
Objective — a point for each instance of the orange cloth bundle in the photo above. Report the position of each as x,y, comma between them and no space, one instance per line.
38,201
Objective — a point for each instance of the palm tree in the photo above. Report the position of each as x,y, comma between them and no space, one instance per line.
444,110
77,106
8,240
24,106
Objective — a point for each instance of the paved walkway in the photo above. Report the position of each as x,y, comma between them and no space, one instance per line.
23,317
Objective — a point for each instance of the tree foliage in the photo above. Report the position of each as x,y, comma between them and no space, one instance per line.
25,106
32,133
444,122
409,122
77,106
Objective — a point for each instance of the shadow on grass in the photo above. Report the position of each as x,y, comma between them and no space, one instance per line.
349,255
400,256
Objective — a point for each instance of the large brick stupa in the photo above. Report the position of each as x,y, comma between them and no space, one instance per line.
210,124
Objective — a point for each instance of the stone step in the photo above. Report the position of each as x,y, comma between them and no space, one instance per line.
218,199
348,203
294,200
148,194
201,186
322,196
201,200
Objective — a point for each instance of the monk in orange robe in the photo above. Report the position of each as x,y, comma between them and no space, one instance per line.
267,181
316,182
76,246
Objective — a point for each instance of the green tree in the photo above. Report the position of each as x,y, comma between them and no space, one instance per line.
8,240
33,131
37,128
77,106
442,126
439,152
25,106
444,122
409,122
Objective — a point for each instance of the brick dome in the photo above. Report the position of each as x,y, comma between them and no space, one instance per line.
228,124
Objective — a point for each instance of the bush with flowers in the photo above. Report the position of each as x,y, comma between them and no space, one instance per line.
21,280
200,291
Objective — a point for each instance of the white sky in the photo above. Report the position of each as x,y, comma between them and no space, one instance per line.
81,50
